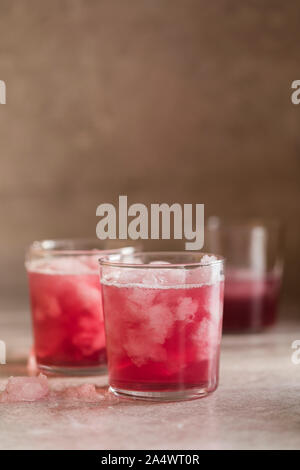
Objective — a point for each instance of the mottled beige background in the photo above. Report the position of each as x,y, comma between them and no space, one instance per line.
162,100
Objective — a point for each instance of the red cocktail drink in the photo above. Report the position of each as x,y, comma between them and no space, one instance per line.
67,313
250,304
66,306
254,266
163,329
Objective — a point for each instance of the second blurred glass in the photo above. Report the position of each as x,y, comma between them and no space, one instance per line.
253,252
66,304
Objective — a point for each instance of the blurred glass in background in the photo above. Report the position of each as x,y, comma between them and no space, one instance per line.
254,262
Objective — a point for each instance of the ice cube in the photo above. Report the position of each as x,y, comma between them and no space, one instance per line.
81,296
121,276
208,259
186,309
206,339
174,277
141,348
160,321
160,277
154,278
204,275
30,389
144,341
65,265
20,389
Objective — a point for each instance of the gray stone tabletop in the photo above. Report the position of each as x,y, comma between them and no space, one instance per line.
257,404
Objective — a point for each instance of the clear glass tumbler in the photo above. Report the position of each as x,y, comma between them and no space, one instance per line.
163,321
254,263
66,304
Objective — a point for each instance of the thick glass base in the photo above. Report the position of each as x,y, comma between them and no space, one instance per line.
167,396
73,371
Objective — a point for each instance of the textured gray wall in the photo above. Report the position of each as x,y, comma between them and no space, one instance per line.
163,100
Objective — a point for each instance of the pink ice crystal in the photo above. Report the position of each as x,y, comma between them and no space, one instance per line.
85,392
31,389
20,389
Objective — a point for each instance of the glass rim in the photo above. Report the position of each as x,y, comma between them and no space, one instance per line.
108,261
215,222
59,246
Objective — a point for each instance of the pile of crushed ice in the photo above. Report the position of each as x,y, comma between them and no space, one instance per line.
32,389
25,389
207,272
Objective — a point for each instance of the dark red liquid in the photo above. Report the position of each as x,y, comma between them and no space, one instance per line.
250,304
163,339
67,317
